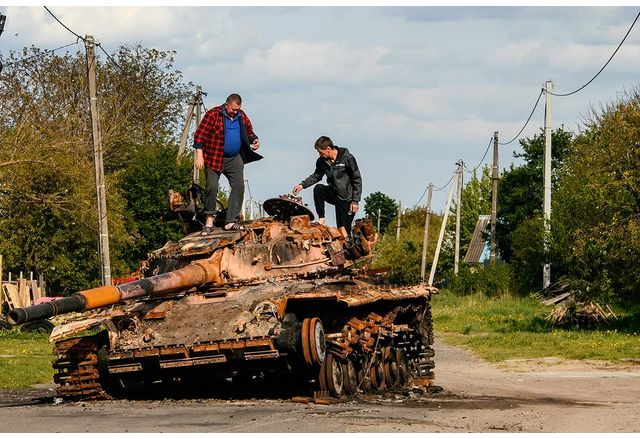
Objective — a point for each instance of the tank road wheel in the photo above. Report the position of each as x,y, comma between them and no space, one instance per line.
376,373
318,343
334,376
390,365
306,342
314,345
403,368
350,377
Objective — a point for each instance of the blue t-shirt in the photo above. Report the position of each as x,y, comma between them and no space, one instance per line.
232,141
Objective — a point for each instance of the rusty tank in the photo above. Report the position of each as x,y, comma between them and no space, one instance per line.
287,302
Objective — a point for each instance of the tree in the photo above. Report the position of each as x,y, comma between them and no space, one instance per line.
520,195
596,210
388,208
47,195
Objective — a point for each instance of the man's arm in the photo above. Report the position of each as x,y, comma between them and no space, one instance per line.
253,139
356,183
310,180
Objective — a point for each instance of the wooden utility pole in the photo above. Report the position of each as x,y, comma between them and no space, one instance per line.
103,242
425,239
546,205
436,255
199,105
195,105
399,221
378,220
494,200
456,260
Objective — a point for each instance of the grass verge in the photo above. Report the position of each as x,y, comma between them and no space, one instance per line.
25,359
499,329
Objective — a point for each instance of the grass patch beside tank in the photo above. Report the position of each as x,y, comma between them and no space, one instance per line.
499,329
25,359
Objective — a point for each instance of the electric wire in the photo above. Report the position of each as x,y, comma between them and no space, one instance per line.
62,24
527,122
39,54
471,171
603,67
111,58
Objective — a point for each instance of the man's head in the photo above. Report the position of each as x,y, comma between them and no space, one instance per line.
233,104
325,147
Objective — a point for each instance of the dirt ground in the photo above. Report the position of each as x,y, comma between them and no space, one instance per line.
544,395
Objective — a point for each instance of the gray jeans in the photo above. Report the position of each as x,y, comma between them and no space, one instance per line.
233,169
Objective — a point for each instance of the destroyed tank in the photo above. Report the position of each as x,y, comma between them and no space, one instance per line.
287,302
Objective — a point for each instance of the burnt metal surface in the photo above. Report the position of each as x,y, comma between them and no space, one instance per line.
286,206
285,301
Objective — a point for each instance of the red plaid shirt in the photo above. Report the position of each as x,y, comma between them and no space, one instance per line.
210,136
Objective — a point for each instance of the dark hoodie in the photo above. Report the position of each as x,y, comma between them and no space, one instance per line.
343,176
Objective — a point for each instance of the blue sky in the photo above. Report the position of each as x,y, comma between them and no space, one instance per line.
409,90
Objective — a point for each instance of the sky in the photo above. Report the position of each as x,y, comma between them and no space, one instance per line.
409,90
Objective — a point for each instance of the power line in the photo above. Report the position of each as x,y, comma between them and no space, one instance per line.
62,24
446,184
39,54
111,58
603,67
471,171
527,122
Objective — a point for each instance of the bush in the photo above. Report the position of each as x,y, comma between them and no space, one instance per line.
490,280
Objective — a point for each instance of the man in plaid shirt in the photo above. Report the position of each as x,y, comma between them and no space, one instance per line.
224,141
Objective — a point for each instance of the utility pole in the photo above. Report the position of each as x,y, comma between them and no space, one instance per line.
425,239
250,215
195,105
103,242
494,200
436,255
456,260
378,220
546,206
399,221
198,101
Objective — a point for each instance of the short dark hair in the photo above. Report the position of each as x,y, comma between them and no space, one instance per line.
324,142
234,97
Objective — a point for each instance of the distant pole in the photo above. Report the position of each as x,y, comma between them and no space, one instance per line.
494,200
546,206
187,126
456,260
103,242
425,239
436,255
399,221
198,104
378,220
250,214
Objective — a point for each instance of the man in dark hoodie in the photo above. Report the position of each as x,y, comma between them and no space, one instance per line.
344,179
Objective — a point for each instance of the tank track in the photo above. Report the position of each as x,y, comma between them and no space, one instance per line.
78,376
385,355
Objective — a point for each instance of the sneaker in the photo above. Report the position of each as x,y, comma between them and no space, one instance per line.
206,230
235,227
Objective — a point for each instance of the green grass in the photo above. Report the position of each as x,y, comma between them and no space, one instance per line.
25,359
498,329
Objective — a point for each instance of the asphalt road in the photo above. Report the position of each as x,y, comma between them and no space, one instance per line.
534,396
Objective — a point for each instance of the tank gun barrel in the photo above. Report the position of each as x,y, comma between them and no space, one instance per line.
195,274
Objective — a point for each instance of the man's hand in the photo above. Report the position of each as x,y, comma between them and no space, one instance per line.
353,209
296,189
255,145
199,159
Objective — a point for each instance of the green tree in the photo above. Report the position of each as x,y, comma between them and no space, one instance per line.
596,209
48,220
520,195
388,208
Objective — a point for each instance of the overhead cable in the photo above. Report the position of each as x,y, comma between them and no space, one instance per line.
62,24
471,171
603,67
39,54
527,122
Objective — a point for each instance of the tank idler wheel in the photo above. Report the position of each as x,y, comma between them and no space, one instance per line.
350,377
306,346
313,343
376,373
333,375
403,368
390,364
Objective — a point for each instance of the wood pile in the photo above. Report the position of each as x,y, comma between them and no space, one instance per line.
569,310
